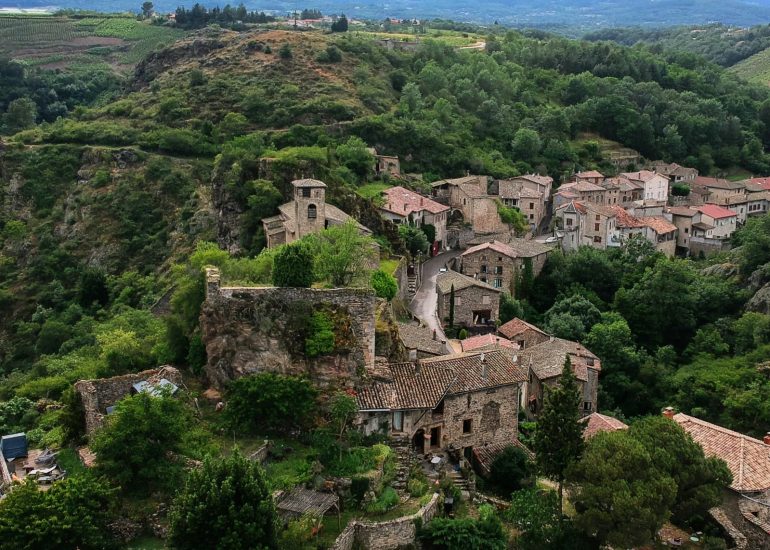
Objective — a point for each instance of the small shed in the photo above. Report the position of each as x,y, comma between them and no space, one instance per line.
300,501
14,445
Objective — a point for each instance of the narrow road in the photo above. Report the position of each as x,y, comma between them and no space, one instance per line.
424,303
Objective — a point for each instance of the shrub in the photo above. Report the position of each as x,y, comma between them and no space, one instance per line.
463,334
293,266
285,51
321,335
416,487
384,284
510,469
270,403
387,500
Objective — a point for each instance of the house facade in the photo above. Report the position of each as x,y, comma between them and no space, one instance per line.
500,264
525,195
586,224
654,186
724,221
308,213
403,206
477,304
523,334
450,403
675,172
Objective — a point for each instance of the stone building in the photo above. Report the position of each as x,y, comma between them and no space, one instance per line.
675,172
476,303
100,395
500,264
522,333
455,402
587,224
470,196
546,363
307,213
250,330
419,342
654,186
403,206
529,194
385,164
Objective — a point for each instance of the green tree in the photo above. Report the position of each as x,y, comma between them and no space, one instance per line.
133,445
293,266
269,403
485,533
285,52
340,25
558,441
20,115
452,306
621,496
52,335
147,9
74,513
700,481
342,410
414,239
535,514
341,254
510,470
411,100
526,144
430,232
224,504
92,287
754,240
355,155
513,218
384,284
509,308
558,319
234,124
320,339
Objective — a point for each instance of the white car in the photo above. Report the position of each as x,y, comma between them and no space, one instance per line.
442,270
552,240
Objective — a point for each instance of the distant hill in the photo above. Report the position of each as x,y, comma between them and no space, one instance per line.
569,16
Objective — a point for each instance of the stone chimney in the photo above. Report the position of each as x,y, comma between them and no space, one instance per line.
767,438
668,412
417,367
484,371
434,334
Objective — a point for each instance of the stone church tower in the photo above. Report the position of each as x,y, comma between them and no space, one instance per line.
309,206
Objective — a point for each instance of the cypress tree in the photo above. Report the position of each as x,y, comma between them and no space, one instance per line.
452,307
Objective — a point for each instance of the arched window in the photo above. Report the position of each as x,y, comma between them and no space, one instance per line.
312,211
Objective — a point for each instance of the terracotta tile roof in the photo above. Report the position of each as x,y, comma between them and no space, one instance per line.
547,359
528,248
589,174
403,202
660,225
497,246
717,183
423,384
626,220
567,194
517,326
308,183
583,187
445,280
596,423
486,341
762,182
611,183
673,169
600,209
538,179
715,211
682,211
747,458
642,175
486,454
420,338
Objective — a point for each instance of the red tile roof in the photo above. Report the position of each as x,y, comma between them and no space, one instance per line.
403,202
683,211
642,175
596,423
516,326
626,220
589,174
715,211
486,340
717,183
747,458
497,246
762,182
660,225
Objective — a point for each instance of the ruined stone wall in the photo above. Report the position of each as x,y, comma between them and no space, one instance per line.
252,330
386,535
101,393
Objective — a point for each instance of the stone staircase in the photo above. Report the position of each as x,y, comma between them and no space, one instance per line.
405,458
412,285
459,481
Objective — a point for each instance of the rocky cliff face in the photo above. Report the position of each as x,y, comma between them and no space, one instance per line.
252,330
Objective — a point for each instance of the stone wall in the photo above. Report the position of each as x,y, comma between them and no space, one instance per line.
252,330
468,300
488,265
386,535
402,278
101,393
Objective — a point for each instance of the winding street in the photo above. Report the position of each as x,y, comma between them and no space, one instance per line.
425,301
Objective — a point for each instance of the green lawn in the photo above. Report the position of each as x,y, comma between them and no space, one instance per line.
389,265
372,190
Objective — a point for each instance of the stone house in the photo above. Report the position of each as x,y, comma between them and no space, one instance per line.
484,342
308,213
385,164
522,333
586,191
746,506
675,172
499,264
612,188
469,196
724,221
721,191
654,186
656,229
758,203
530,202
403,206
629,192
546,363
587,224
591,176
419,342
476,303
683,218
450,403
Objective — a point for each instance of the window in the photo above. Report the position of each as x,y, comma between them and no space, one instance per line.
531,216
532,206
467,425
686,229
596,227
483,268
398,421
499,258
598,217
485,300
458,301
498,270
498,283
597,239
312,211
569,221
586,405
306,192
521,344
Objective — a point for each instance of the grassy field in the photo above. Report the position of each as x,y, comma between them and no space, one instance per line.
755,68
59,42
451,38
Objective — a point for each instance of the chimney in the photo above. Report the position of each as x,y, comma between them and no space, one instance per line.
550,338
417,367
434,333
422,201
668,412
767,438
484,372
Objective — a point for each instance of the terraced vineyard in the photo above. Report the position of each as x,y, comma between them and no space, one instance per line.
755,68
57,42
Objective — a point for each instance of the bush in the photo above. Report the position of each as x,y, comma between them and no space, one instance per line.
510,470
293,266
384,284
387,500
462,334
321,335
285,51
269,403
466,534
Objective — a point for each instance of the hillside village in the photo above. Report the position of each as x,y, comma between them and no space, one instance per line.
312,320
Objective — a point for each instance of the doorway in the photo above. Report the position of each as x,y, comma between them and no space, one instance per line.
435,437
418,441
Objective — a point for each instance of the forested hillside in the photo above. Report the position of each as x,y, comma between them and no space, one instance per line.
102,208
